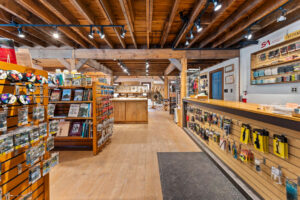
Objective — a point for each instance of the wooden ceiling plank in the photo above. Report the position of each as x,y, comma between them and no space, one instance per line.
217,16
61,12
107,11
149,15
128,17
15,9
42,12
241,13
168,24
6,34
88,14
262,11
194,14
169,69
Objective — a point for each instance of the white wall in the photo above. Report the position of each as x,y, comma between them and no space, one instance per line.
268,94
233,89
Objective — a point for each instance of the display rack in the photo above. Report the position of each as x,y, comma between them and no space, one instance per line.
89,140
15,181
277,64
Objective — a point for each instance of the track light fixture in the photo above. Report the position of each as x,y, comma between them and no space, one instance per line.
199,28
91,34
55,33
187,43
249,35
101,34
217,5
282,16
123,33
191,34
21,33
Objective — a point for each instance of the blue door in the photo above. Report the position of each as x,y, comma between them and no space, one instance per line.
217,85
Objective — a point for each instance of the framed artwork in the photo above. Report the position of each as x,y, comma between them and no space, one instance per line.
229,68
229,79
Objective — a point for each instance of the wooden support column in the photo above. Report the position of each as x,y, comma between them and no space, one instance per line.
166,88
182,88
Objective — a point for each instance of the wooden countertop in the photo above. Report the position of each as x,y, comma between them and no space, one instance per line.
249,107
129,99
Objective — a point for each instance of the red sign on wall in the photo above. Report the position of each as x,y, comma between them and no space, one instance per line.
7,51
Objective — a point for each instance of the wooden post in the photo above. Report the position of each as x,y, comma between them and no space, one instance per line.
166,90
182,87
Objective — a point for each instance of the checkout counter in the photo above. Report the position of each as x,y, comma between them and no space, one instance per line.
130,110
260,146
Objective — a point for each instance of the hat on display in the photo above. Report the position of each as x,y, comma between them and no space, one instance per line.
24,99
14,76
29,77
8,98
3,74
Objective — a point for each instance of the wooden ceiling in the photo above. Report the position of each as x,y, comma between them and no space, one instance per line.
149,23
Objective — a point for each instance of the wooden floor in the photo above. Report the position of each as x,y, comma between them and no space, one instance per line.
126,169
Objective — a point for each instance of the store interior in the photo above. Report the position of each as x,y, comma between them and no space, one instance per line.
145,99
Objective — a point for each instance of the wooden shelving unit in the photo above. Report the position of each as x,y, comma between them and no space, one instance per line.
71,141
281,60
15,172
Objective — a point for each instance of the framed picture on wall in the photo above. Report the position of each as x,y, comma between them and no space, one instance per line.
229,68
229,79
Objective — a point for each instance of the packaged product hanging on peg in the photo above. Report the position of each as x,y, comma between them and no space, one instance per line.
3,120
23,116
34,174
222,144
6,143
261,140
34,134
291,190
50,143
280,146
246,156
276,175
53,127
245,134
227,126
21,138
43,129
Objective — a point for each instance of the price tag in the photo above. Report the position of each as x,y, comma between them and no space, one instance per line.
17,90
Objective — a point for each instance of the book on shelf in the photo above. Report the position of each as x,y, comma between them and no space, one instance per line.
55,95
66,95
86,127
64,127
78,94
75,128
76,80
87,95
74,110
68,79
84,110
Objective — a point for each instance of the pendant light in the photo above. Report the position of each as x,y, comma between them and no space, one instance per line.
217,5
21,33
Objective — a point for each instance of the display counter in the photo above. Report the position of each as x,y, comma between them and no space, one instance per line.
130,110
261,147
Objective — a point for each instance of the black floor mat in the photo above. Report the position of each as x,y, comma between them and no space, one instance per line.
193,176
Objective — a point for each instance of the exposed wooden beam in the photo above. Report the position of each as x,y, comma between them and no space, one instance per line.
196,11
168,23
96,65
65,63
115,78
39,10
162,78
61,12
128,18
169,69
80,63
262,11
149,14
107,11
133,54
217,17
6,34
16,10
89,16
242,12
176,62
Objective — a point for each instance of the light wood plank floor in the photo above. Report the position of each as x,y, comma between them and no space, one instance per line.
126,169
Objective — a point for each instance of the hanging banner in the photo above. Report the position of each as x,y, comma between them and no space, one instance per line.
292,35
7,51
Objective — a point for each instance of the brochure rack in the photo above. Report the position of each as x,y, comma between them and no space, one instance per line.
95,139
15,181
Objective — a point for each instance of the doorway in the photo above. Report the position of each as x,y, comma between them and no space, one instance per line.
216,83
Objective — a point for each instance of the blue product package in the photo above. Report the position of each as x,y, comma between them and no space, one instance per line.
291,190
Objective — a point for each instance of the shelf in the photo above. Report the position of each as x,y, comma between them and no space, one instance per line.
63,138
280,63
70,87
71,118
274,76
70,101
277,83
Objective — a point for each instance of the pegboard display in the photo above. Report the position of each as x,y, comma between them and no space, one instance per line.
265,156
24,144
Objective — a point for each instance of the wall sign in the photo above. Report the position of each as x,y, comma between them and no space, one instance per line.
229,79
292,35
229,68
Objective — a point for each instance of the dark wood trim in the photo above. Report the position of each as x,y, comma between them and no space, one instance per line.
285,123
210,82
